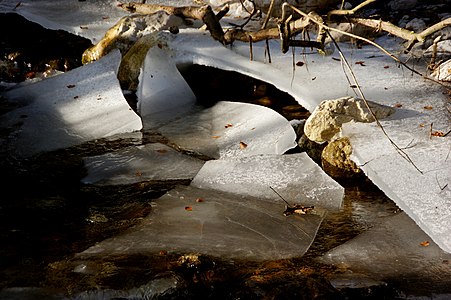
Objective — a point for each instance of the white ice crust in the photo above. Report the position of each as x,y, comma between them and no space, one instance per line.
66,110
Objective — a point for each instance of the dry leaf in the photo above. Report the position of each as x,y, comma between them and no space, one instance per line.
198,200
188,208
83,27
70,86
138,174
216,136
437,133
361,62
428,107
398,105
422,125
300,64
425,243
243,145
386,67
228,125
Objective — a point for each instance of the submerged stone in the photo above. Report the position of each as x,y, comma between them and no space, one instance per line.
295,177
188,219
140,163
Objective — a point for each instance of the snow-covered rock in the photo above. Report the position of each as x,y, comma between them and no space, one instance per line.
443,71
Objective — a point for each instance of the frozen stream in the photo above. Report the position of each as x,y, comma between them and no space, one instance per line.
180,195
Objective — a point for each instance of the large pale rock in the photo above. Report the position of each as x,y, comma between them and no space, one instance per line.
336,161
325,122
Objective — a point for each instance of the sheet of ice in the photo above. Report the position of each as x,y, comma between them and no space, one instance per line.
189,219
232,129
426,197
163,94
140,163
194,47
393,250
81,105
296,177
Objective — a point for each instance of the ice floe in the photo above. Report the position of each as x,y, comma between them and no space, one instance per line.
397,246
189,219
294,176
66,110
140,163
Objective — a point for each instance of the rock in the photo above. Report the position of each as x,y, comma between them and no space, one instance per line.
127,31
416,25
314,150
325,122
306,6
402,4
443,71
133,60
336,162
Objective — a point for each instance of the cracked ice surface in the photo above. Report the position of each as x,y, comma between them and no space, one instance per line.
296,177
75,107
220,224
140,163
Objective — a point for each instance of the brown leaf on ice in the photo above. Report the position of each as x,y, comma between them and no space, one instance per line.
138,173
70,86
243,145
398,105
422,125
216,136
386,67
188,208
300,63
427,107
198,200
425,243
361,62
228,125
437,133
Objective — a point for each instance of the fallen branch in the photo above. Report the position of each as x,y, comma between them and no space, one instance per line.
320,24
204,13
